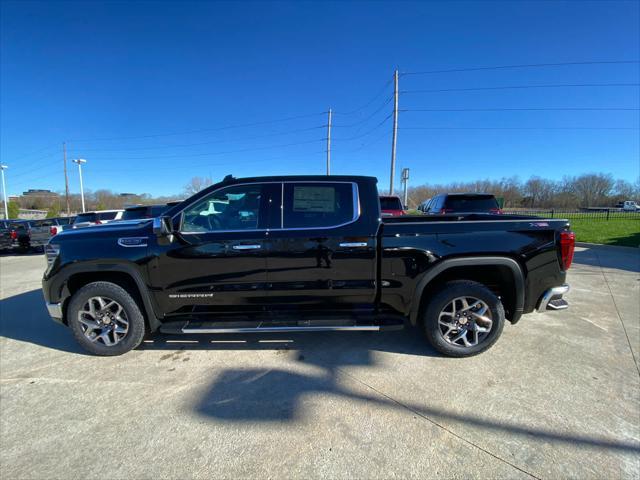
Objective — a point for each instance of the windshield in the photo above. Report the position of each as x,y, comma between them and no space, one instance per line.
390,203
471,203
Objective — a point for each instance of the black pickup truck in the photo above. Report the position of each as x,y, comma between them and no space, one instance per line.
304,253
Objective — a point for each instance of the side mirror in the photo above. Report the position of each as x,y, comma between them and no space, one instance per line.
162,226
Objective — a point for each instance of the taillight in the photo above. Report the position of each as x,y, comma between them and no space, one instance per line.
567,246
444,211
53,231
496,211
98,222
14,235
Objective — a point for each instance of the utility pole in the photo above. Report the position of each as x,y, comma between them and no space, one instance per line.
80,161
395,132
4,192
405,184
66,178
329,144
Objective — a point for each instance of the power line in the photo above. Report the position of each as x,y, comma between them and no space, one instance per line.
355,137
596,109
227,127
211,154
364,145
519,128
386,102
374,98
508,87
530,65
208,164
159,147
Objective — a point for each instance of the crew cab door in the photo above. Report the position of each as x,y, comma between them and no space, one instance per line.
322,257
217,263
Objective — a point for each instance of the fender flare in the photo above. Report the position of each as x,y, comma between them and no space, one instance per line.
447,264
125,268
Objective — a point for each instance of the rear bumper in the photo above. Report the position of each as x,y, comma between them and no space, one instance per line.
552,299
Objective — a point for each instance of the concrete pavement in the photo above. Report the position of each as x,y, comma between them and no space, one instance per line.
557,396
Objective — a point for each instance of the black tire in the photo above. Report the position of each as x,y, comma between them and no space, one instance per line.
136,328
442,298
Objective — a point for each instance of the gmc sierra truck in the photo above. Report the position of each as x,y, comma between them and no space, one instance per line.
304,253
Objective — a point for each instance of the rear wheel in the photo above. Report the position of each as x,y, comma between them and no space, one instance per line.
105,319
463,318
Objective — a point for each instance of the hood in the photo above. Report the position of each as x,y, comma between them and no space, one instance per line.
134,227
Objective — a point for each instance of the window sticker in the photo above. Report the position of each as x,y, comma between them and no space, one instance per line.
314,199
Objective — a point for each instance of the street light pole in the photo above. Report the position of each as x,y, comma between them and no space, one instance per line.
80,161
405,183
4,193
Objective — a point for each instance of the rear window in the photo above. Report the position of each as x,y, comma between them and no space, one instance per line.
135,213
64,220
86,217
107,215
308,205
471,203
149,211
43,223
390,203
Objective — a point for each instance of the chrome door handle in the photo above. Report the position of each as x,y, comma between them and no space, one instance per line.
354,244
246,247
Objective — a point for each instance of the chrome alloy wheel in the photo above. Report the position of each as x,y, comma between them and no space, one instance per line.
103,320
465,321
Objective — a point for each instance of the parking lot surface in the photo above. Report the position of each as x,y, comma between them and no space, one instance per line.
557,396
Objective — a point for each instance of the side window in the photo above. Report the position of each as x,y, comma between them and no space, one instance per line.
308,205
230,208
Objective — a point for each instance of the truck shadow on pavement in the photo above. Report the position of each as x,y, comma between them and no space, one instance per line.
320,363
24,317
276,395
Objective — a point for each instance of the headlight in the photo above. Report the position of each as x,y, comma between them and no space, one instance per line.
51,252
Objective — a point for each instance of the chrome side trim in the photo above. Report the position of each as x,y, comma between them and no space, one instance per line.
370,328
354,244
246,247
55,310
549,294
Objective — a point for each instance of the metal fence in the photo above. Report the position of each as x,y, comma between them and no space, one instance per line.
587,214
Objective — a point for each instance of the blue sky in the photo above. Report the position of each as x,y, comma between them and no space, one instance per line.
145,90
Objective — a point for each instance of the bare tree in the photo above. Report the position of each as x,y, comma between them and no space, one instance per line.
592,189
196,184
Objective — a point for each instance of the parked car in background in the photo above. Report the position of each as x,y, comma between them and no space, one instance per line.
8,234
630,206
136,212
61,224
424,205
462,203
391,206
96,218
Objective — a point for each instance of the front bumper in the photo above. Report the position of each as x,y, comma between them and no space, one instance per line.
552,299
55,312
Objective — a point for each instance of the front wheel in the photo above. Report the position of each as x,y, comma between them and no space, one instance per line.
463,319
105,319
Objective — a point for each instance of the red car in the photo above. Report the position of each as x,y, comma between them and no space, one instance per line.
391,206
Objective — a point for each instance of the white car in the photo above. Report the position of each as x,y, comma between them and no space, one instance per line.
630,206
96,218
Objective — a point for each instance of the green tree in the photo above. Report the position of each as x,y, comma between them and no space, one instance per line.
54,211
14,209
